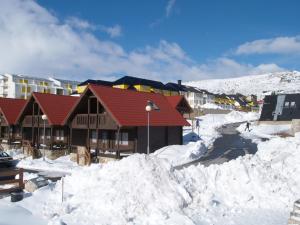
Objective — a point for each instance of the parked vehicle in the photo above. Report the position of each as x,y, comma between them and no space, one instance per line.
6,160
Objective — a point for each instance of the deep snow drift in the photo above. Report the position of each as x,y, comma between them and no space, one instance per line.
258,189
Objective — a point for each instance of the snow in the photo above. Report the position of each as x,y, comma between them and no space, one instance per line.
263,131
140,189
11,214
288,82
62,164
211,106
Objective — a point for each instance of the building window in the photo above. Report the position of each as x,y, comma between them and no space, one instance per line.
123,139
48,131
287,104
104,137
26,89
23,81
60,136
94,136
293,105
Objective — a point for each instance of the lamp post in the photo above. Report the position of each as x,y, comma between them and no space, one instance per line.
149,107
44,118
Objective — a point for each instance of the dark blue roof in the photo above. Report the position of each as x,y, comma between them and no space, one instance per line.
136,80
98,82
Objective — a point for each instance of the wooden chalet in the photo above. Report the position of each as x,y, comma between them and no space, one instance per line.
56,108
10,109
112,121
180,103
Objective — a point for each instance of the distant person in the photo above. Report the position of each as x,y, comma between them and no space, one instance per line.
247,126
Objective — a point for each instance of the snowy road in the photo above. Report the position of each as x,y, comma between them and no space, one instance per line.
227,147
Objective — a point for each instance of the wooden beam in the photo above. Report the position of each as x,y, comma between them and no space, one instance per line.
118,144
32,127
38,131
97,129
51,137
88,125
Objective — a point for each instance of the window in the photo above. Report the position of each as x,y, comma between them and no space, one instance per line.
59,135
23,81
48,131
123,138
104,137
293,104
26,89
94,136
286,104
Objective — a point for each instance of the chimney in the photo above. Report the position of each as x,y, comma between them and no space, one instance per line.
179,82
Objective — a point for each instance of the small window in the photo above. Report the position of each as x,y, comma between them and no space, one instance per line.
287,104
94,136
60,135
104,137
293,104
123,139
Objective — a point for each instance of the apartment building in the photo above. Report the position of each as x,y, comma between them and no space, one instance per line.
21,86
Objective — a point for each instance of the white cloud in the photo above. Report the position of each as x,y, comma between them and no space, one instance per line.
80,23
114,31
33,41
169,7
279,45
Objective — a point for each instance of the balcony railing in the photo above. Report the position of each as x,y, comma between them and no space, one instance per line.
36,120
83,121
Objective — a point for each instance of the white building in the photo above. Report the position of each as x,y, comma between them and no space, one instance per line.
20,86
197,97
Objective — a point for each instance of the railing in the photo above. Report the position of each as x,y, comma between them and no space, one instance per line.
84,121
36,119
7,176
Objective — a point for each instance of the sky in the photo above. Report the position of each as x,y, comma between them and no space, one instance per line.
160,39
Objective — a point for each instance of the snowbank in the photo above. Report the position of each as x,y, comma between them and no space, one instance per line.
181,154
251,190
62,164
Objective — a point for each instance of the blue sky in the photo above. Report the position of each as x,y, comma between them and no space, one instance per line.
160,39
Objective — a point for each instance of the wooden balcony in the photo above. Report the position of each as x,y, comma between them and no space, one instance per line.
27,122
83,121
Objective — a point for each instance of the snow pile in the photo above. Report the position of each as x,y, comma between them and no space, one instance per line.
136,190
182,154
251,190
211,106
62,164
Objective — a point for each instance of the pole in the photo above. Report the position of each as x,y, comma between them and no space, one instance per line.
148,134
44,140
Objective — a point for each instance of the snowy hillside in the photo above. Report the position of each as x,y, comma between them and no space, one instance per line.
287,82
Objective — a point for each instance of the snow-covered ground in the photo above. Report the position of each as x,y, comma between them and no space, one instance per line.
288,82
140,189
62,164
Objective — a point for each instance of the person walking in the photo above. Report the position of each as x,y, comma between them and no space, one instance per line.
247,126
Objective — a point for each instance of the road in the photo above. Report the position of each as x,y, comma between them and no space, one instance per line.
227,147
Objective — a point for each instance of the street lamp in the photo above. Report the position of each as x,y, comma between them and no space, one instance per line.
44,118
149,107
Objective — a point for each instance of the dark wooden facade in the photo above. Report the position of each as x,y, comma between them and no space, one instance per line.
32,126
93,126
9,134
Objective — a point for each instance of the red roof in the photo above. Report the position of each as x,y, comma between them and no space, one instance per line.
11,109
128,107
176,100
55,107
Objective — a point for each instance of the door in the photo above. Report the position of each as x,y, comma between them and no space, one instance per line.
279,107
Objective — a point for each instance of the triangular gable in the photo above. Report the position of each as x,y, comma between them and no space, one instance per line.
11,108
55,107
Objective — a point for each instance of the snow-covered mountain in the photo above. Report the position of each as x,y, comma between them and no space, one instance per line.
285,82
